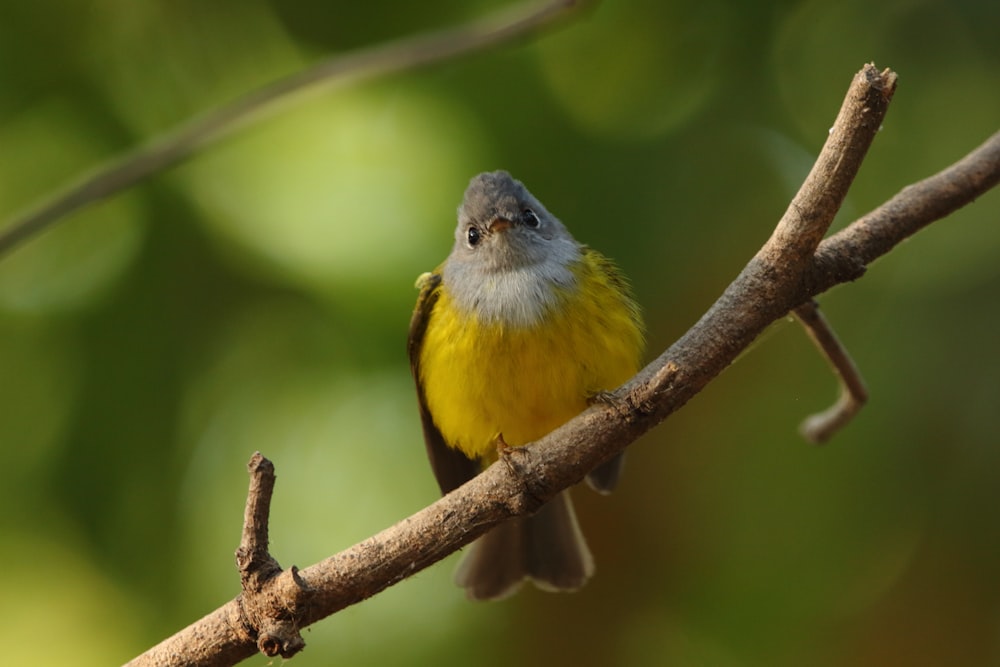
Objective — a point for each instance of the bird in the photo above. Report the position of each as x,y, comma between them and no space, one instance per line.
514,334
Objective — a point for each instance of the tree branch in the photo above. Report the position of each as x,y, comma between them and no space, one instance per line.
820,427
792,268
272,600
815,205
845,255
174,147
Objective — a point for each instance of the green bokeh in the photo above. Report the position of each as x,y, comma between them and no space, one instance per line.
257,297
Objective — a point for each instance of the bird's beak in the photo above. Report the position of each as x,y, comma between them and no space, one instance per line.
499,224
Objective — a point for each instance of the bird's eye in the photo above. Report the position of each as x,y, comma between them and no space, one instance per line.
473,236
530,218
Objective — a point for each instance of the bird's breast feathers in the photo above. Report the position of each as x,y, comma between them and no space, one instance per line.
522,355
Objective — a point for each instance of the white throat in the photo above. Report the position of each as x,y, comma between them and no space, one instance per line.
515,297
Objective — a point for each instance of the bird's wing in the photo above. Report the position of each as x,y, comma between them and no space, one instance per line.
451,467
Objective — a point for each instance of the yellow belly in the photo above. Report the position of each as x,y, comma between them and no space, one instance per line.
484,380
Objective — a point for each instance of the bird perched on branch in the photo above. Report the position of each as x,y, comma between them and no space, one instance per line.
512,336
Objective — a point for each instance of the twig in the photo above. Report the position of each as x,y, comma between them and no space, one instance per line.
181,143
272,601
264,617
845,255
821,426
252,558
811,211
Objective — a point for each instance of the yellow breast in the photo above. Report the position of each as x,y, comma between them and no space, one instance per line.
481,380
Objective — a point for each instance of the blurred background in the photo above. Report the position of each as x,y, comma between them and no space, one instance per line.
257,298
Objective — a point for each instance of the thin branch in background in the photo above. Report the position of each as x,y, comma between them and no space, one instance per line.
183,142
818,428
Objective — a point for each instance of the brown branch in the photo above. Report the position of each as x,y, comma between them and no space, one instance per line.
252,558
845,255
813,208
272,600
776,281
176,146
818,428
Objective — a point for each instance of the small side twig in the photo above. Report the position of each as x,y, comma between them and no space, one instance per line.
818,428
266,615
810,213
252,557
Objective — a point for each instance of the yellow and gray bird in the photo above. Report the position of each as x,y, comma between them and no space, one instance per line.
512,336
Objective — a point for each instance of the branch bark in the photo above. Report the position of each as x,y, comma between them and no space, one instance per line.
793,267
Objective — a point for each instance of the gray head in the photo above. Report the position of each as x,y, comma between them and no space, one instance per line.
509,252
502,226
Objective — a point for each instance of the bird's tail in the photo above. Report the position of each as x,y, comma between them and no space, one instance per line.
547,547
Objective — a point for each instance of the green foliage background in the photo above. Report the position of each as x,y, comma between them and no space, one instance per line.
257,297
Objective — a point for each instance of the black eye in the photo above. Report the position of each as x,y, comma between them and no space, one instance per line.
473,236
530,218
